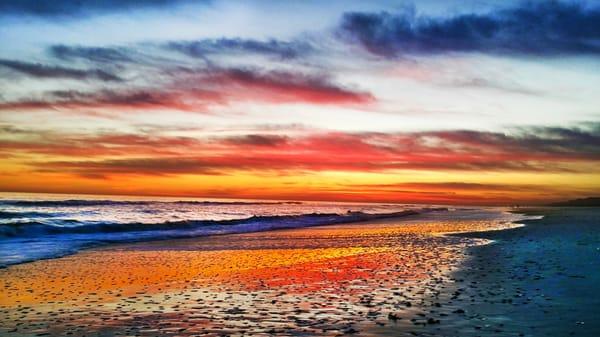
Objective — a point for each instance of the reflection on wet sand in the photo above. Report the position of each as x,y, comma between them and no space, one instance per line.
313,281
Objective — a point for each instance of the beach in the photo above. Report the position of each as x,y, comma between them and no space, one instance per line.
299,168
537,280
540,279
389,277
326,280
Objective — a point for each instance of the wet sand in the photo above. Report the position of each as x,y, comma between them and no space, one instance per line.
366,279
538,280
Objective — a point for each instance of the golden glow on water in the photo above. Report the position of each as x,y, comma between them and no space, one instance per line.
242,283
241,259
106,274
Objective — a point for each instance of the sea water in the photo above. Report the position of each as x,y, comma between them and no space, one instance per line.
39,226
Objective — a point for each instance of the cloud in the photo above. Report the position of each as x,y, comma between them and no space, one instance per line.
555,142
38,70
257,140
92,54
283,86
484,83
137,166
453,186
534,28
199,89
282,163
465,193
48,142
70,8
8,129
537,149
229,46
110,99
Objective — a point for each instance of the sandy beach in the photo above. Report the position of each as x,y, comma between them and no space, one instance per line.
327,280
299,168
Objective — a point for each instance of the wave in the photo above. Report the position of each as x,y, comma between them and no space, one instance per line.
28,241
87,202
18,215
55,227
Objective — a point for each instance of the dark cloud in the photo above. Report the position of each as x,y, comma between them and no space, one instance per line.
109,97
122,100
143,166
257,140
283,86
534,28
67,8
452,186
42,141
556,142
202,48
93,54
39,70
9,129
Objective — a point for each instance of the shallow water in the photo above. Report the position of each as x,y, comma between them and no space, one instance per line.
34,227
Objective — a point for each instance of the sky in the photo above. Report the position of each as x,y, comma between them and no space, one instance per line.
459,102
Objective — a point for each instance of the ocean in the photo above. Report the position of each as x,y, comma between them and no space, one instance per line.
41,226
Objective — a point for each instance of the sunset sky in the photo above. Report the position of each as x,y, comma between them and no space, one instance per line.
464,102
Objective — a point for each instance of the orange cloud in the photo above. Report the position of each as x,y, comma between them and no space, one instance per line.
549,150
261,165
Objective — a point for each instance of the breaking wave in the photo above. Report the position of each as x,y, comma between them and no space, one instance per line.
24,241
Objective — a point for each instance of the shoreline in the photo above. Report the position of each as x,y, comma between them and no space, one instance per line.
536,280
227,227
360,274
